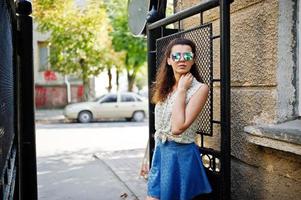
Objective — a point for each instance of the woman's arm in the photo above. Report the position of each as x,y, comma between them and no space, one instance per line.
183,116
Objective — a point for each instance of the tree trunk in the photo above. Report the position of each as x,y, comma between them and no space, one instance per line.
131,81
117,79
110,80
85,79
86,89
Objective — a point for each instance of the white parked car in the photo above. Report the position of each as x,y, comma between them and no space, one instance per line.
128,105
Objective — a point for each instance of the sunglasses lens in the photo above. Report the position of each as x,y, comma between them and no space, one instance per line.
188,56
176,56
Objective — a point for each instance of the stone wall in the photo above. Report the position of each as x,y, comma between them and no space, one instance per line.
263,50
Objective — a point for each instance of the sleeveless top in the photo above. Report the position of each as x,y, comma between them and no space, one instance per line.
163,118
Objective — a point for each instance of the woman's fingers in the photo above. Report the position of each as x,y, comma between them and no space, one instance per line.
185,81
188,76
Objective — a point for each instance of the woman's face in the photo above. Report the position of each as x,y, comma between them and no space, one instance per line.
181,59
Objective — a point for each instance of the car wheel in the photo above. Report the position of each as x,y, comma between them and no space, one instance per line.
138,116
84,117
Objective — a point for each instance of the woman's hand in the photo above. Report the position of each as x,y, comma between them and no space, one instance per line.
185,81
151,198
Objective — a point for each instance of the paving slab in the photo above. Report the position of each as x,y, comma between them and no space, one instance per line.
89,179
50,116
127,165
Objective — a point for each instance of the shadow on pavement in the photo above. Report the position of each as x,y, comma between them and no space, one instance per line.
84,175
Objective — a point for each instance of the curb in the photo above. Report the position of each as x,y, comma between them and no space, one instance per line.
52,121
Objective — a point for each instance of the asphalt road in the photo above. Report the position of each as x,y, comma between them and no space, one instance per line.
100,124
103,136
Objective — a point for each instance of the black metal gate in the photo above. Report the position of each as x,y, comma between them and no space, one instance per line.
216,159
7,116
17,128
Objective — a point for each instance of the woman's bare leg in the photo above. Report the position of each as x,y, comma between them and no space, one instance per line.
151,198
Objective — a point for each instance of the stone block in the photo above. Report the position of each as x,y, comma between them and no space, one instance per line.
249,106
277,177
254,39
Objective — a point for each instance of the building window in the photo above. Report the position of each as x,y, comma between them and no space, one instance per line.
43,48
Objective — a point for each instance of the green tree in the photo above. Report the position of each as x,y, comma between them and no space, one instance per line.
79,36
123,41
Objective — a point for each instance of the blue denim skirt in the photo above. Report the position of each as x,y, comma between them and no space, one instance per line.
177,172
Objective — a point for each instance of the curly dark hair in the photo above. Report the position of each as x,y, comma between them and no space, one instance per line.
165,77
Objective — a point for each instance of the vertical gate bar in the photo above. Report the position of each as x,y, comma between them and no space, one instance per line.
210,80
162,8
152,35
16,98
225,99
27,159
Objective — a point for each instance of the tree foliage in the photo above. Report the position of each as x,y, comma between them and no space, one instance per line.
79,40
123,40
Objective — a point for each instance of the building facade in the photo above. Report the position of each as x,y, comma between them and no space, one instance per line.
265,96
52,90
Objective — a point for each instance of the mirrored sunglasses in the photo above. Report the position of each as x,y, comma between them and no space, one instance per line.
187,56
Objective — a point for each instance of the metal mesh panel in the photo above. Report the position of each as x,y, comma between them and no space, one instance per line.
202,37
6,85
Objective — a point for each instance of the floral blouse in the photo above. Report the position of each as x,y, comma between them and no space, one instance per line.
163,118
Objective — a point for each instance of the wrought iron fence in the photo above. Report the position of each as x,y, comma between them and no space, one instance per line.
7,99
17,129
216,159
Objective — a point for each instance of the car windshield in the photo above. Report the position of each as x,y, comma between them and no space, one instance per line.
139,97
98,98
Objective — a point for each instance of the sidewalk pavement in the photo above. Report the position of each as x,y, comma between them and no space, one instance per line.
126,167
50,116
105,176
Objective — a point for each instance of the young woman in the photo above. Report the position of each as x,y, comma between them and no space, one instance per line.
177,172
